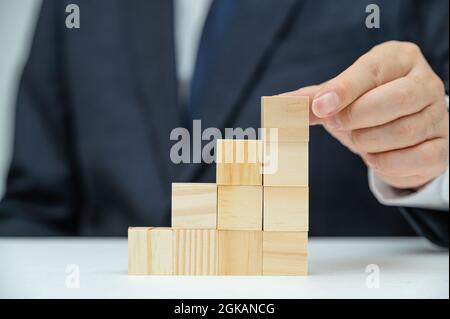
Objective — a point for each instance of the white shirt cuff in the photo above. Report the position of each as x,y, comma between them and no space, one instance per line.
435,195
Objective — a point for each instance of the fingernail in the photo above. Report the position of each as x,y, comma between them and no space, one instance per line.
326,104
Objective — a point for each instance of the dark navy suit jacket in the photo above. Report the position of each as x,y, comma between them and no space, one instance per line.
96,106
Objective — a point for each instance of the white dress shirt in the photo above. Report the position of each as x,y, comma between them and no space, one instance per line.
190,18
189,21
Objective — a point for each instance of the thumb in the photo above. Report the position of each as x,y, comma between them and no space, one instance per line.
309,91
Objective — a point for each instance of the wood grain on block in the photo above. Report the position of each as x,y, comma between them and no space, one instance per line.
240,253
139,262
161,248
289,114
194,205
150,251
238,162
196,252
286,208
239,207
286,164
285,253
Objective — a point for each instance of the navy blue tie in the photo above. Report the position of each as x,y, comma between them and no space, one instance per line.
216,23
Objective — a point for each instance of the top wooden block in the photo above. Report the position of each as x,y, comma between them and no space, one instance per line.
239,162
289,114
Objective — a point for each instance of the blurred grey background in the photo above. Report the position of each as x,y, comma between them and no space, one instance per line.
17,21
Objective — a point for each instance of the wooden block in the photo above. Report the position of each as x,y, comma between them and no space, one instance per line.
290,161
240,253
161,251
194,206
239,207
290,114
239,162
138,253
196,252
150,251
285,253
286,208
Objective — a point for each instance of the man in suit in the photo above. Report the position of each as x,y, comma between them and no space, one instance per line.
96,106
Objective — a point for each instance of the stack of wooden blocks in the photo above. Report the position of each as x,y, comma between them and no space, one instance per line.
249,223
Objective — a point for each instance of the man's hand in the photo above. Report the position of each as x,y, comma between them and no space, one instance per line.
389,107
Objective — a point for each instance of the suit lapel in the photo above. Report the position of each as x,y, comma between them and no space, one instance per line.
149,33
248,44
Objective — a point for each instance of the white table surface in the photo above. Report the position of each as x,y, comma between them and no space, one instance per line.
408,268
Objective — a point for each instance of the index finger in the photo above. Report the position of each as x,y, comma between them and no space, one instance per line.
382,64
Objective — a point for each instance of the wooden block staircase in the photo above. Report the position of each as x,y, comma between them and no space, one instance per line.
253,222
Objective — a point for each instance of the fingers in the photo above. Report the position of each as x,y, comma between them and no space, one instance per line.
426,159
385,104
381,65
389,108
309,91
407,131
